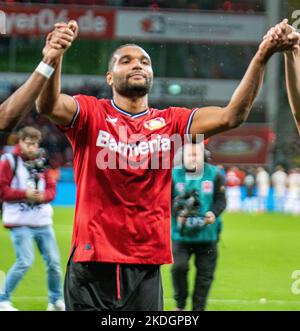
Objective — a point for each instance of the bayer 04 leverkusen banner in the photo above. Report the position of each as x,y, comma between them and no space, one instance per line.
37,20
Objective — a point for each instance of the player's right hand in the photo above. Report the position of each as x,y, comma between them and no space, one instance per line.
283,36
60,39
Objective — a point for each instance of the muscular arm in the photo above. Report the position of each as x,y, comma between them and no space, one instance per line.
292,76
59,108
212,120
284,31
21,101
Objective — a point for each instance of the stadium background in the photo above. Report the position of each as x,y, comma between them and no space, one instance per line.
200,50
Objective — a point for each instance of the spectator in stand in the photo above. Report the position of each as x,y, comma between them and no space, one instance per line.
279,183
250,202
292,204
263,188
233,189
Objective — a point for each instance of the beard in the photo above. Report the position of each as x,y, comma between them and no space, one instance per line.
137,89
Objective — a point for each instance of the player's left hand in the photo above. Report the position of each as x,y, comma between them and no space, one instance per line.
209,217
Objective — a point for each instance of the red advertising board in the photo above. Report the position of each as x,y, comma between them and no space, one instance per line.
38,20
248,144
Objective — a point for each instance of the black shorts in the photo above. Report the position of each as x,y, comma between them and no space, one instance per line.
108,286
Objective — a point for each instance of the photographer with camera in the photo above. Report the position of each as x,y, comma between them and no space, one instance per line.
26,189
198,199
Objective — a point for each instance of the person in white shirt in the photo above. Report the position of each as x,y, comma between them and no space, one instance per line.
233,190
263,187
26,189
292,204
279,182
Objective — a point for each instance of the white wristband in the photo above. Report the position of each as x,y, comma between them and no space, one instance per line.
44,69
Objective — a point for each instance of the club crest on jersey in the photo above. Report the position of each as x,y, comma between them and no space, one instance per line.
155,123
111,120
207,186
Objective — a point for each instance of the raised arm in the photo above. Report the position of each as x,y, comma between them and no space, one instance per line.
21,101
292,65
212,120
59,108
292,76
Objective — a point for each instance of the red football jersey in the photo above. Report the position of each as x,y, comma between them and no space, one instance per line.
123,169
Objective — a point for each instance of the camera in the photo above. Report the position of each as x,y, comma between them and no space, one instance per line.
187,206
37,166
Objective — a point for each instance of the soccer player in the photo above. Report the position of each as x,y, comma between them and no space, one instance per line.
281,32
121,233
23,99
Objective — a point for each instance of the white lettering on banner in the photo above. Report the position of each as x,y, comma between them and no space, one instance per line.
42,20
89,22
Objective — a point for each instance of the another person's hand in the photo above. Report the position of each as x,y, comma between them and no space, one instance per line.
209,217
60,39
34,196
181,220
279,39
282,31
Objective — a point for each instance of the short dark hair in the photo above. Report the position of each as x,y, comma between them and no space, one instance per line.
112,57
31,133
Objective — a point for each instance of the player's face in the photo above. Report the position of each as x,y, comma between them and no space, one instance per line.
29,147
132,73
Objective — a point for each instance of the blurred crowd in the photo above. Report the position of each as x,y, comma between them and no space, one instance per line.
257,190
231,6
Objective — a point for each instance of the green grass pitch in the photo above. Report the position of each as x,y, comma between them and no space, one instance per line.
257,256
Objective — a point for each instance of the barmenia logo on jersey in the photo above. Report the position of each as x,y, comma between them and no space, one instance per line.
155,123
143,147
